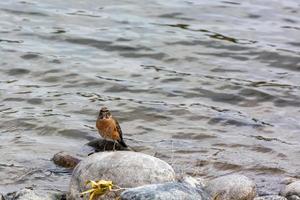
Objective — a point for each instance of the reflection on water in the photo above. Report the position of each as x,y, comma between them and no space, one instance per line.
212,87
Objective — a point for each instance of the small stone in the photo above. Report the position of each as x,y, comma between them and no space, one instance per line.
65,160
270,197
186,189
124,168
232,187
292,191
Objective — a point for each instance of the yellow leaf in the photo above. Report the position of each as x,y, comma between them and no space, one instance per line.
98,188
88,191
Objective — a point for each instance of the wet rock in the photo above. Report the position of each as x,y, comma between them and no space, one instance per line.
30,194
232,187
104,145
292,191
271,197
65,160
186,189
126,169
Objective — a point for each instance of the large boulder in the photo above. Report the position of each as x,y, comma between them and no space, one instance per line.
186,189
270,197
232,187
292,191
126,169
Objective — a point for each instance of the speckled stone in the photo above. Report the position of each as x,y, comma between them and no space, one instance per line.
232,187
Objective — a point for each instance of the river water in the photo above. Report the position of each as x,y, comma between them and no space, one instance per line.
211,87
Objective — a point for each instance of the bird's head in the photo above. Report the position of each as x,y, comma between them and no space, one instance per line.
104,113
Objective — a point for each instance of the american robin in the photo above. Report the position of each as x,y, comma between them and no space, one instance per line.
109,128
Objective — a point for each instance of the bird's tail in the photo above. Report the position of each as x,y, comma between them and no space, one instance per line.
122,143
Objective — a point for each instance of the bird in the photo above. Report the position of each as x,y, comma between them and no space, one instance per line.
109,128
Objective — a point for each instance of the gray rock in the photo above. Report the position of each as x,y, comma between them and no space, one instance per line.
232,187
270,197
292,191
126,169
29,194
186,189
104,145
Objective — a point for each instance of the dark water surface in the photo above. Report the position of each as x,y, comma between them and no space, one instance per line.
212,87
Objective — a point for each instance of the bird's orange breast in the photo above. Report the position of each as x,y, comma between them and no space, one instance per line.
107,129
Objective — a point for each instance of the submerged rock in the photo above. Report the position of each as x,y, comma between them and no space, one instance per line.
292,191
186,189
271,197
126,169
232,187
65,160
30,194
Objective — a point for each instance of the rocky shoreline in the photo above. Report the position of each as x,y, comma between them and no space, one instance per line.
144,177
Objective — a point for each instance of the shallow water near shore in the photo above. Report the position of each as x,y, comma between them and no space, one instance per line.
211,87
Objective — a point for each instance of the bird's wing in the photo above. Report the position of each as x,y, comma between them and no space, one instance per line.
121,142
119,129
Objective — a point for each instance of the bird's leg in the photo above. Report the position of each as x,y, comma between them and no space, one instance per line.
114,147
105,145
